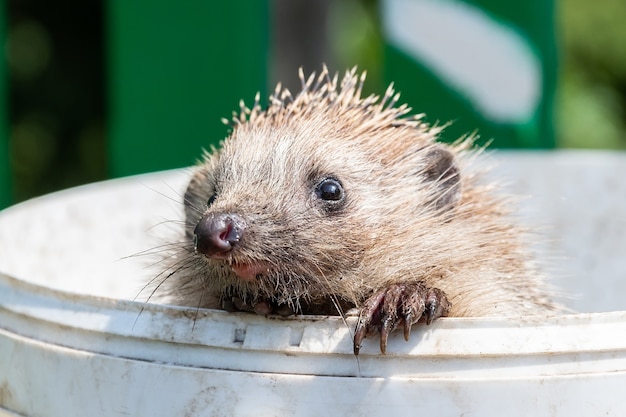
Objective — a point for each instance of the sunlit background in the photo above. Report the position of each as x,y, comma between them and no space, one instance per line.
56,55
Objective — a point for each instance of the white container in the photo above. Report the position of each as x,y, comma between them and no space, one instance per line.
73,343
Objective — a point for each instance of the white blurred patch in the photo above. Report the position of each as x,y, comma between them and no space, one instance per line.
490,64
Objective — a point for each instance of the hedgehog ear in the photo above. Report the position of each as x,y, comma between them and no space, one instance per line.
441,170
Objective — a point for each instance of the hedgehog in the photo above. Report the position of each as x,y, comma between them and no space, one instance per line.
326,202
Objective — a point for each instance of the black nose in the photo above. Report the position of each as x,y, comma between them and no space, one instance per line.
217,233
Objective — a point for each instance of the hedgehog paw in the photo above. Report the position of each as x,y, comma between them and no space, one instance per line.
260,306
397,304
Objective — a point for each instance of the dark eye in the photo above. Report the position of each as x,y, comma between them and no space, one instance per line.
329,189
211,200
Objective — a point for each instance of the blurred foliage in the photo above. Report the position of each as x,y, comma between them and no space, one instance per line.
57,83
56,102
354,29
591,100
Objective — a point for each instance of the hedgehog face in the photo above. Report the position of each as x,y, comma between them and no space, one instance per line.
273,223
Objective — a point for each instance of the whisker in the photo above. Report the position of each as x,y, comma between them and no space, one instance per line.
180,198
182,265
195,317
335,301
177,200
156,250
167,222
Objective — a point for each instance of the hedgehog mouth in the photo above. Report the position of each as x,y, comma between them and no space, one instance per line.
249,271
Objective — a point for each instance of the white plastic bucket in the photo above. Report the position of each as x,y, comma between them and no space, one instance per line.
73,343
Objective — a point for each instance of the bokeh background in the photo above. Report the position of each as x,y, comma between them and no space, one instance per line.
58,114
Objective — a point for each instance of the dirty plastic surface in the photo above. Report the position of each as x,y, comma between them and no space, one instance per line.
74,342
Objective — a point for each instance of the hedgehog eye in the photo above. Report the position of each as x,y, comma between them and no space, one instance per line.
330,189
211,200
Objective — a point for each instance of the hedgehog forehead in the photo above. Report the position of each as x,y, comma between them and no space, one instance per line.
370,130
265,146
291,155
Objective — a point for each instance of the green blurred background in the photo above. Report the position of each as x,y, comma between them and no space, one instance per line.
59,84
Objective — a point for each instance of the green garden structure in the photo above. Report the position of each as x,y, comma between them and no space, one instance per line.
175,69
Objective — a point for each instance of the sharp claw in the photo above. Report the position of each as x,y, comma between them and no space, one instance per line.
370,309
407,326
359,335
436,306
384,334
362,329
431,308
405,304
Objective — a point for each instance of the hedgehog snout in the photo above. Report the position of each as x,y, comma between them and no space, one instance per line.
216,234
